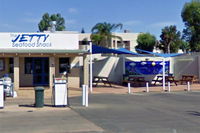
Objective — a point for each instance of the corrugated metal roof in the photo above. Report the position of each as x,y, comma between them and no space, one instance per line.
51,51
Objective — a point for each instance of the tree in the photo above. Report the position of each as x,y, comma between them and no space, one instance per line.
170,39
185,46
191,17
102,33
44,24
146,41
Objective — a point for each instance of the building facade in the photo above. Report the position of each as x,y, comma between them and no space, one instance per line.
34,59
129,40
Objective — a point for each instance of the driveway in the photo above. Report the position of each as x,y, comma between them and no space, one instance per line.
177,112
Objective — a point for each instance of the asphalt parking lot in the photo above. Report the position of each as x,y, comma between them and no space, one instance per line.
177,112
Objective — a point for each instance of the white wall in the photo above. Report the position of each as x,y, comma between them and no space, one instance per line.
112,66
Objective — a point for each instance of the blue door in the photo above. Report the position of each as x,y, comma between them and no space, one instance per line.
40,67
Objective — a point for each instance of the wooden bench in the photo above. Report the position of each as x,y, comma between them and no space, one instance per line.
189,78
135,80
99,79
170,79
158,80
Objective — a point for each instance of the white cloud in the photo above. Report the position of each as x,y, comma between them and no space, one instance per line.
72,10
132,22
163,24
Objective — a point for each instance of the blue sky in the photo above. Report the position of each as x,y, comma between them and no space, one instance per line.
136,15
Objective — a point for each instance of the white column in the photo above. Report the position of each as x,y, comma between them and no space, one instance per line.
85,70
163,63
91,74
123,63
52,71
16,73
1,95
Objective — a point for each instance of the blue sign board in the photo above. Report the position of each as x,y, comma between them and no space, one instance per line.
145,67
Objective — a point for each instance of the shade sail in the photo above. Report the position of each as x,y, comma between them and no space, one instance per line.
128,52
160,54
98,49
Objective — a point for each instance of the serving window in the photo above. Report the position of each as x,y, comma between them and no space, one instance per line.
64,65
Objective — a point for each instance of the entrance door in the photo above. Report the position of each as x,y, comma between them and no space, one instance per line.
40,71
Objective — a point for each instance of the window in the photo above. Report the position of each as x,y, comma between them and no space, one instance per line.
124,44
64,65
11,65
28,65
2,64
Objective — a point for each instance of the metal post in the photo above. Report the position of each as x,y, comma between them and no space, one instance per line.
147,86
1,95
163,63
86,96
169,87
129,88
91,89
188,86
83,95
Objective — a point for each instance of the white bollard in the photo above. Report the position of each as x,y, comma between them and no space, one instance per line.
147,86
129,88
188,86
1,95
86,96
83,95
169,87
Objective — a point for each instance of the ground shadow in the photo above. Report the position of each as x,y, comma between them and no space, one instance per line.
33,105
27,105
196,113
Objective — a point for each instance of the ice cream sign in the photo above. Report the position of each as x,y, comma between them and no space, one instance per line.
30,40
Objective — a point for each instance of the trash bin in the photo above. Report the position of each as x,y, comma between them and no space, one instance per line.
60,93
39,97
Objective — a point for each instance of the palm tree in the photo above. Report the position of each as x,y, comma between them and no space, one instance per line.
170,39
102,33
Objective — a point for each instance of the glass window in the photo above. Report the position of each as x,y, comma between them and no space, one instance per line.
11,65
64,65
28,65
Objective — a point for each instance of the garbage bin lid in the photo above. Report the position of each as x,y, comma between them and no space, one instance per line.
39,88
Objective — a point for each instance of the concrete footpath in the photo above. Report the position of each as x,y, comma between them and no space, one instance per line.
19,116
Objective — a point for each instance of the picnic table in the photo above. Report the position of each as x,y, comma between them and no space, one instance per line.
170,79
100,79
135,80
189,78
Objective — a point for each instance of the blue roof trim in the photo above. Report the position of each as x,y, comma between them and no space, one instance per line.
160,54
